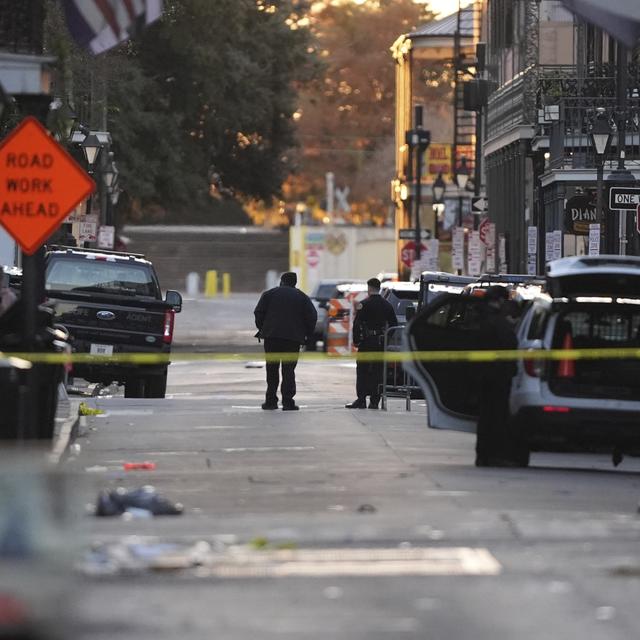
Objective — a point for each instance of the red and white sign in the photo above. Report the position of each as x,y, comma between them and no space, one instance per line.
408,253
483,229
40,184
313,257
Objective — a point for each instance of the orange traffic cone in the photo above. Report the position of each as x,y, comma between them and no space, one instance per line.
567,368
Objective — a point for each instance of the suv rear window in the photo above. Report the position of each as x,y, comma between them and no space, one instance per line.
606,327
100,276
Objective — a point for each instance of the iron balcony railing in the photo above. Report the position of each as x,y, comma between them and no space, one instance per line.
518,101
565,128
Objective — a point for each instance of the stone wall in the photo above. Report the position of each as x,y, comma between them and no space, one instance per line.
247,253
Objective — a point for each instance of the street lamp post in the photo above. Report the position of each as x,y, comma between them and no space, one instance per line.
418,139
601,141
621,176
462,177
437,190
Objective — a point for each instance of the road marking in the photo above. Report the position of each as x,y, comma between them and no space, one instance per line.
261,449
452,561
449,494
128,412
173,453
213,428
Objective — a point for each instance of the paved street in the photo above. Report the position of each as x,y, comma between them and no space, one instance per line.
328,523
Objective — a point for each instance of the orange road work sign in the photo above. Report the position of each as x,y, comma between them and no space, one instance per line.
40,183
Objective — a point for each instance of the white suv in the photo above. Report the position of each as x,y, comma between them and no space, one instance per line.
584,404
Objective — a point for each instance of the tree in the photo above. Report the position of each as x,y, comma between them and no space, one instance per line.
202,103
346,119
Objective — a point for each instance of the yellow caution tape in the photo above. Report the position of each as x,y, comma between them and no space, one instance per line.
625,353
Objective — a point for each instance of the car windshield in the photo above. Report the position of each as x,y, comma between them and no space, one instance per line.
325,291
100,276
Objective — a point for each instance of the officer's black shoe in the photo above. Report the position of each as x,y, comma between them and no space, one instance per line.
290,407
268,406
374,403
357,404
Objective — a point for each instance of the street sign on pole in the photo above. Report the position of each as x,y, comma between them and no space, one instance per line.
410,234
408,253
479,204
624,198
483,229
40,184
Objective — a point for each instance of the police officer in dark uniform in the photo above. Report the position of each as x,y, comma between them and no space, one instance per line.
285,317
374,315
496,445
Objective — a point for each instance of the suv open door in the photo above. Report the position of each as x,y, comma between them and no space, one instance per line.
451,388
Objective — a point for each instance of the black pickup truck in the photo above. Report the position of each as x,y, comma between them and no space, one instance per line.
111,303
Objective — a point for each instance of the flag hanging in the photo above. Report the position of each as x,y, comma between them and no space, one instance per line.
99,25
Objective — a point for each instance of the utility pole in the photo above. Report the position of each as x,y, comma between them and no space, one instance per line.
418,141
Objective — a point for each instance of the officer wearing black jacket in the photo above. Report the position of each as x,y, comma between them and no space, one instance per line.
285,317
372,318
495,444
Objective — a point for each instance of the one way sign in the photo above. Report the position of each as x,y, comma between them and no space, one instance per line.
479,204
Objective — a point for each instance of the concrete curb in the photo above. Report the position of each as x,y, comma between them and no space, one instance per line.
66,433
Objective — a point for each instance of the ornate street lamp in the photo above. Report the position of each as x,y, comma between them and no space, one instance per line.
462,174
110,173
601,141
438,188
91,147
462,177
601,134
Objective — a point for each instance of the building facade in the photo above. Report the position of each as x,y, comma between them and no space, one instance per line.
552,76
432,64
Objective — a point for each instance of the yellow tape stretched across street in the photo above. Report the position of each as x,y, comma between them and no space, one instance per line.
623,353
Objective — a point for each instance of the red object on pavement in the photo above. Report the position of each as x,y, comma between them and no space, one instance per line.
139,466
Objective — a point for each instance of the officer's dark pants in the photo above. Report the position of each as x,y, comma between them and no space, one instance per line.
369,372
278,345
493,438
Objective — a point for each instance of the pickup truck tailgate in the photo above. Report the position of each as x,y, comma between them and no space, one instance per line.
128,326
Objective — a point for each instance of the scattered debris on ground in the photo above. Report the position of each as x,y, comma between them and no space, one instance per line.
145,499
85,410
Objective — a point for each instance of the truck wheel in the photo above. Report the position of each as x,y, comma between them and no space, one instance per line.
156,386
134,388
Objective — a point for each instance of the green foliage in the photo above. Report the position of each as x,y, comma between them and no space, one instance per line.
205,95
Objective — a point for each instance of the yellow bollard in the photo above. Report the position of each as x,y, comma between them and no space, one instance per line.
211,284
226,284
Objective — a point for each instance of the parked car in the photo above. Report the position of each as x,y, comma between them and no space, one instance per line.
324,291
577,405
526,286
437,283
111,303
387,276
401,295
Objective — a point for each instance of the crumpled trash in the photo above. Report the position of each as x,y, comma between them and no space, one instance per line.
119,501
138,554
139,466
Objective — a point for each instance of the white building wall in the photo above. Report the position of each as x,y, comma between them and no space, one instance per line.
318,253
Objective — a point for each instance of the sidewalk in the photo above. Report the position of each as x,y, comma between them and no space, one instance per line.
66,426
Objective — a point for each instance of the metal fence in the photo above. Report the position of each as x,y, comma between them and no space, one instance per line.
396,383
